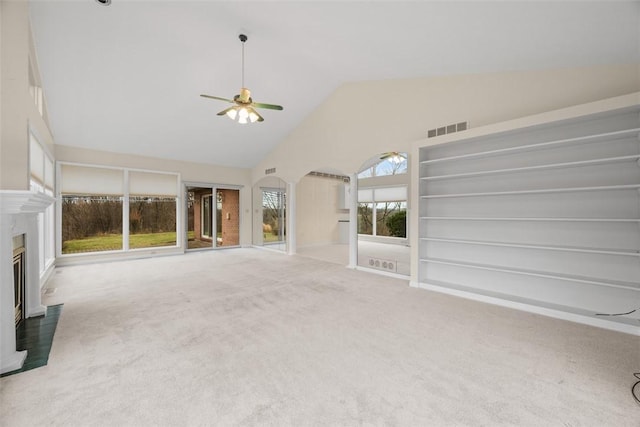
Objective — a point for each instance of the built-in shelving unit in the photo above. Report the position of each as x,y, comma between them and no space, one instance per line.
544,215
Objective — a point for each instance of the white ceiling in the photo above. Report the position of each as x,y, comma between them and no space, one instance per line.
127,77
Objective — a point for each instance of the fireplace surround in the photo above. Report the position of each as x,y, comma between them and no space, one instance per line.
19,216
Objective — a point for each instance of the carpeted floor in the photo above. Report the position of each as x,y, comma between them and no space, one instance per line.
251,337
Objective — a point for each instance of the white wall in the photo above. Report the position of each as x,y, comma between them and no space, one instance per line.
18,111
360,120
317,211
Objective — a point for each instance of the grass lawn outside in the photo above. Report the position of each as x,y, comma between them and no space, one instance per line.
113,242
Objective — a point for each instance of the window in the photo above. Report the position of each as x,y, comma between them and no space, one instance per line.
389,164
35,90
365,218
273,215
42,180
383,211
96,206
207,218
152,209
91,223
152,221
391,219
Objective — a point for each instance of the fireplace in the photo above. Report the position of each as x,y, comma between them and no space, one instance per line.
19,268
19,277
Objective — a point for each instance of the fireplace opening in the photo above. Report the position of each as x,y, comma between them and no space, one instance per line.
19,277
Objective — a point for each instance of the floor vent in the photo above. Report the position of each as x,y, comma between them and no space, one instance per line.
383,264
456,127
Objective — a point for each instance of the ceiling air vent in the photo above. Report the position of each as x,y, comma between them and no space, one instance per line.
456,127
269,171
342,178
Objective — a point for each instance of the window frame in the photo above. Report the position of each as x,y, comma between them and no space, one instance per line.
125,209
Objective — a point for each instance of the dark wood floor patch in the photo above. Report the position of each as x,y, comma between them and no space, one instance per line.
36,336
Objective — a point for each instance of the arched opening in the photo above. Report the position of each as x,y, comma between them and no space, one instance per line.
322,215
383,189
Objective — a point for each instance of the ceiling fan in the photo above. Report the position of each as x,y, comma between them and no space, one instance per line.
244,109
393,156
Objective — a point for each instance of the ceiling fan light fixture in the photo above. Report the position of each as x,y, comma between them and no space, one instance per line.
253,117
232,114
243,111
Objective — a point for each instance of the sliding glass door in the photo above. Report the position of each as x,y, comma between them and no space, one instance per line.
269,217
212,221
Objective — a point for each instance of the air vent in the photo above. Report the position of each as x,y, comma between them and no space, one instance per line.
269,171
342,178
456,127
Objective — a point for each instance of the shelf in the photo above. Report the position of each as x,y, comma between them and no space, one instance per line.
535,168
499,297
534,273
622,252
531,147
540,191
460,218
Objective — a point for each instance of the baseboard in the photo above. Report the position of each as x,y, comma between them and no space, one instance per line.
12,362
531,308
382,273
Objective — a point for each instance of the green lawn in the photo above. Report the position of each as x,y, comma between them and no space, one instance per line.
113,242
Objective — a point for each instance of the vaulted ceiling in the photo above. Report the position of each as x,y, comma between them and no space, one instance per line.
127,77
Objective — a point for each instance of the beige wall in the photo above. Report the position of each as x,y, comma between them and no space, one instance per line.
18,112
360,120
189,172
317,211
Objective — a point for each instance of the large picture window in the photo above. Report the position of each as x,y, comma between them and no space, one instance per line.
101,213
382,211
152,221
91,223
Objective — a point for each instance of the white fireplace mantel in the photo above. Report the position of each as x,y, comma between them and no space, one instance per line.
19,202
18,215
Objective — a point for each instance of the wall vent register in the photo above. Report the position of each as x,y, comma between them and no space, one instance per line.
456,127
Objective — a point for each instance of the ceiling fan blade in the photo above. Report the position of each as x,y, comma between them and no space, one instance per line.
268,106
260,118
217,97
223,112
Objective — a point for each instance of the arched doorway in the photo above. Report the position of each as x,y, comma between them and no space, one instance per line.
383,202
322,216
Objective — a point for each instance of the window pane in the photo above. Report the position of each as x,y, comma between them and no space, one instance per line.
367,173
365,218
91,223
207,218
152,221
273,216
391,219
393,165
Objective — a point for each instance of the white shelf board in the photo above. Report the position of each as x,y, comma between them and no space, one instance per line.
621,252
635,286
626,324
592,162
539,191
461,218
531,147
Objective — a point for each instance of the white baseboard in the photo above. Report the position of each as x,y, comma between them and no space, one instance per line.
531,308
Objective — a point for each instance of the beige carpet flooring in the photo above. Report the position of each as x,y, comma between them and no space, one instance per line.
251,337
